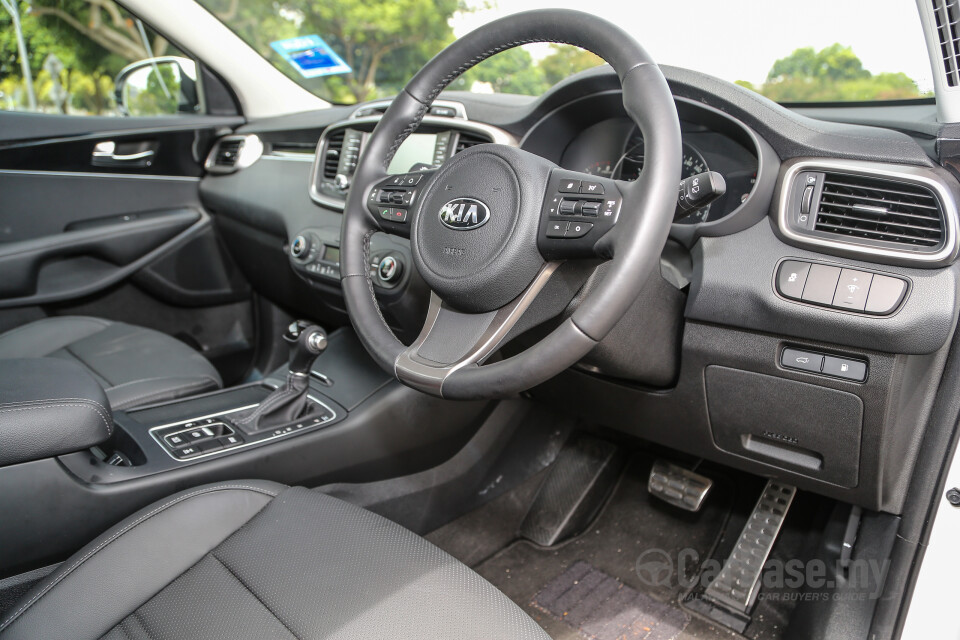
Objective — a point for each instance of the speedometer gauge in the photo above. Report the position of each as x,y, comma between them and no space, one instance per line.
602,168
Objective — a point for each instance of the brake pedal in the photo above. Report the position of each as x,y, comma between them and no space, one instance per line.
678,486
737,584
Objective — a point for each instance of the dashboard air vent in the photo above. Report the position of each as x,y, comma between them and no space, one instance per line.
468,140
234,152
331,157
947,14
877,209
228,152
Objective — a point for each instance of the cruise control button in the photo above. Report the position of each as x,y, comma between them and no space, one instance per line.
578,229
569,186
845,368
592,188
796,359
792,277
852,290
885,295
821,284
557,229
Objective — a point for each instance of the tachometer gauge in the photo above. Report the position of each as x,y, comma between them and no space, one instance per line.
631,163
601,168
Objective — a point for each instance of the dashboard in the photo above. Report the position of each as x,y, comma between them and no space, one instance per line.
833,252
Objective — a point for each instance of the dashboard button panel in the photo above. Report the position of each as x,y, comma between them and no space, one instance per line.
840,288
834,366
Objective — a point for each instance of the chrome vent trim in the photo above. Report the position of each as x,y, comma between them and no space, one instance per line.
233,153
876,240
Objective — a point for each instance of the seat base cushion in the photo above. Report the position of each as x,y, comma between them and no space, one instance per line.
135,366
257,560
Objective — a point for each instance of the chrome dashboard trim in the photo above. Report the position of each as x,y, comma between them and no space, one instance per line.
938,257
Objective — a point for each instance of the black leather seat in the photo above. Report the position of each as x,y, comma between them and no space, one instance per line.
260,560
135,366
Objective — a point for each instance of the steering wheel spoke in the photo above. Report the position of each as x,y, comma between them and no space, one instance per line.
452,340
392,200
578,210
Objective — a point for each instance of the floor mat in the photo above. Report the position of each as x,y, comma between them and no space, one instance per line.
603,608
632,525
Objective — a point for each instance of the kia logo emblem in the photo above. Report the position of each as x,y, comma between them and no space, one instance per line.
463,214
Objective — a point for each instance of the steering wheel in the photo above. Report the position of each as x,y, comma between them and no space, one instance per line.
490,226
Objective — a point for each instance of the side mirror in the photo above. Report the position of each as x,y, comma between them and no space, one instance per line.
158,87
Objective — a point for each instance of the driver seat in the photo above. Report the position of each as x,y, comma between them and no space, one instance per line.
260,560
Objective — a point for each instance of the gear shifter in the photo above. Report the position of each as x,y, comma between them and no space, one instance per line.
289,402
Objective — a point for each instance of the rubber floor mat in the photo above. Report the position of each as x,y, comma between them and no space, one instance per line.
601,607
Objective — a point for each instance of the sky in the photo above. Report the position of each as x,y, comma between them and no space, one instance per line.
741,39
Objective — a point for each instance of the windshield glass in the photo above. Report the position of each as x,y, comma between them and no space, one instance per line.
348,51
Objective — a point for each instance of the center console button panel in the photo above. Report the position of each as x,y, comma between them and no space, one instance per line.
208,435
840,288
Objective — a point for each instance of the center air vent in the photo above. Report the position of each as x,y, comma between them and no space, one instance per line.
893,213
467,140
882,210
331,157
232,153
947,14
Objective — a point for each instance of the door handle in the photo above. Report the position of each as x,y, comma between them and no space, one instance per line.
126,154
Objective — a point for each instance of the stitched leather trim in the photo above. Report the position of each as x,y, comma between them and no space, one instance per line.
160,394
39,405
13,617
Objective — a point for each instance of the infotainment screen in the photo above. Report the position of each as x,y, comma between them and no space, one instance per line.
417,149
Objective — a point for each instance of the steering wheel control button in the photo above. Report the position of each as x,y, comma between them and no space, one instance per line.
591,188
845,368
568,207
791,278
569,186
885,295
852,290
578,229
802,360
557,229
821,284
590,209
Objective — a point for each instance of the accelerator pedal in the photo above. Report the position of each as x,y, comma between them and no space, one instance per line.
579,481
736,586
678,486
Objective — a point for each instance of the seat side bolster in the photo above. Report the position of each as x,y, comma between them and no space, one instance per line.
138,557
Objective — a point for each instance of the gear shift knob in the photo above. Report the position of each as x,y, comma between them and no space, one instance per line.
307,341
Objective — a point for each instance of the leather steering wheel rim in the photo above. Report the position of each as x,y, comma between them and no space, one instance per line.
633,246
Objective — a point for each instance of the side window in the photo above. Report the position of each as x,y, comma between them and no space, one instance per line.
90,58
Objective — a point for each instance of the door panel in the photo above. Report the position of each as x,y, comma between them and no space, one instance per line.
125,241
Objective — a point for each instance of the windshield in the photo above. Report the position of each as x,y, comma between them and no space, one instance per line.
348,51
